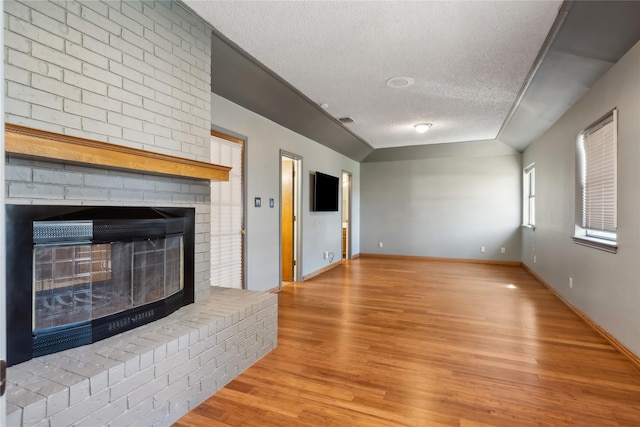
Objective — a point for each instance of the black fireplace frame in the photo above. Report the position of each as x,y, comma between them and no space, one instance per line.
22,344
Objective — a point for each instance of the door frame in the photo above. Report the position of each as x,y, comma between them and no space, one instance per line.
242,140
349,210
297,210
3,276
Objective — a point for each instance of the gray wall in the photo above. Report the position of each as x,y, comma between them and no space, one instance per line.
443,207
606,286
126,72
321,231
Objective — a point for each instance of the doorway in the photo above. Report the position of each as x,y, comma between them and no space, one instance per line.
289,216
346,215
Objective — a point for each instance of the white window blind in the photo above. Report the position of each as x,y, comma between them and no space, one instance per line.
599,201
529,196
226,216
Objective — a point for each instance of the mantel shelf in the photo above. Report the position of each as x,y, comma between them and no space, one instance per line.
28,142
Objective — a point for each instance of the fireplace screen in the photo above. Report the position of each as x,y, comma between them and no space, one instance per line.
80,282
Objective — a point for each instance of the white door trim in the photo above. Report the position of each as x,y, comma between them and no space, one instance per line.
3,320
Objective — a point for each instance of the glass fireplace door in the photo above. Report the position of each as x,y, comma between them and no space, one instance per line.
75,283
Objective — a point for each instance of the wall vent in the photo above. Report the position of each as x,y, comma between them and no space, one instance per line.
346,120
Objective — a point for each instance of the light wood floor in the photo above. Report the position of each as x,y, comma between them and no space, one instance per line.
380,342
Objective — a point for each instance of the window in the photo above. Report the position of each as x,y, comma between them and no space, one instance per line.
529,196
227,217
597,167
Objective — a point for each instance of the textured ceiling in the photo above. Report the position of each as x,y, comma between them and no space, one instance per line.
469,60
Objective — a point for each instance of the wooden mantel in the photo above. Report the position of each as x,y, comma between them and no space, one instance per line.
24,141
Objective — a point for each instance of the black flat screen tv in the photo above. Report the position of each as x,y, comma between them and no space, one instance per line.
325,192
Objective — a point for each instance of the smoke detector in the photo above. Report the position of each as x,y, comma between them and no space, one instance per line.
399,82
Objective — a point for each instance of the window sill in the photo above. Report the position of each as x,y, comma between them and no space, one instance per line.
528,227
600,244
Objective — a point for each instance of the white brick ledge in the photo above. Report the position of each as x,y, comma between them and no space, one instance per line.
149,376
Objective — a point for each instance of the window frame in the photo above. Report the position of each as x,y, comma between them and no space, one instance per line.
597,237
529,196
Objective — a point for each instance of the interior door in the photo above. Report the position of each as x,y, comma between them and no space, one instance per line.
288,218
227,213
346,215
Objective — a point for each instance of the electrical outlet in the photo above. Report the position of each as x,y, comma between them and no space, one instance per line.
482,249
380,244
571,282
325,254
503,250
534,259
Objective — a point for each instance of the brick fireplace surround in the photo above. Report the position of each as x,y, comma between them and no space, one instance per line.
136,74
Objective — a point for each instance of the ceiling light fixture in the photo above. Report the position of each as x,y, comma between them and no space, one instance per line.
422,127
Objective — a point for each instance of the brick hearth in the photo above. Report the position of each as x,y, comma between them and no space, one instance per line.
149,376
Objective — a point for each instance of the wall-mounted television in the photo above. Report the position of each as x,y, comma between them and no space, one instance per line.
326,190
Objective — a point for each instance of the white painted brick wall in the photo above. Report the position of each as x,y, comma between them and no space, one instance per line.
129,73
152,55
149,376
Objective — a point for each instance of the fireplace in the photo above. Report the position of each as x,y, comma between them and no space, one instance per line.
78,274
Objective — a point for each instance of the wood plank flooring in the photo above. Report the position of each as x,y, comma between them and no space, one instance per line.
393,342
